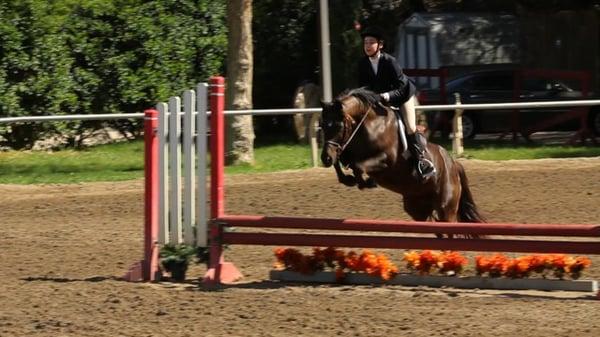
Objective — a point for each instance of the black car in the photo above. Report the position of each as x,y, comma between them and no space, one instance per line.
498,86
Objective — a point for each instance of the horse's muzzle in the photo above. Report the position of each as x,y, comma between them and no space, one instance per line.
330,153
326,159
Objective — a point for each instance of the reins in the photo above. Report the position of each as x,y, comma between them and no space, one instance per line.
345,145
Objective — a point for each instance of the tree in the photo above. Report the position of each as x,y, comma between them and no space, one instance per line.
101,56
240,131
35,68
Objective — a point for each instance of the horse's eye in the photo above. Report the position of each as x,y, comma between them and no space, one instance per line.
329,124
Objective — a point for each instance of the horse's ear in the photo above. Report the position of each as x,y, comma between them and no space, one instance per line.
325,104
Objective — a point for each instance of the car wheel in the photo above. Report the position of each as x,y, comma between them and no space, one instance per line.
595,121
469,127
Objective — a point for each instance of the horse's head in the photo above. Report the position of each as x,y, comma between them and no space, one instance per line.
334,126
342,118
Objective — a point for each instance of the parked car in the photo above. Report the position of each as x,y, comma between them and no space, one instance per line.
498,86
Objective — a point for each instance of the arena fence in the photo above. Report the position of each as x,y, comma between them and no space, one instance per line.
170,219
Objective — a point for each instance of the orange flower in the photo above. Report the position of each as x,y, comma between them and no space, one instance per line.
351,261
293,260
412,259
379,265
576,266
387,269
370,263
537,263
557,260
426,261
451,262
558,263
518,267
499,265
482,264
494,265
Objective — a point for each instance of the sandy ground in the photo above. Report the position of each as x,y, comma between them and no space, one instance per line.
64,248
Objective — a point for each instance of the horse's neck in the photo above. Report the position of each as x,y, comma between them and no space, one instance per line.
382,136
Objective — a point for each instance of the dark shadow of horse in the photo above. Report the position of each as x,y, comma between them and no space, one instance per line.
362,133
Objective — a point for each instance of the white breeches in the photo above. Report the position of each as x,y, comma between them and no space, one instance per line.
409,114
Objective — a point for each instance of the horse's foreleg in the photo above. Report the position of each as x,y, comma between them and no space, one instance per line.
361,181
343,178
420,207
373,164
365,167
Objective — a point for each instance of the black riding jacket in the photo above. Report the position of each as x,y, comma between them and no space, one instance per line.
389,78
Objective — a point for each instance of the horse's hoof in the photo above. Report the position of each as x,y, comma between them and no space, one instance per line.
348,181
370,183
366,184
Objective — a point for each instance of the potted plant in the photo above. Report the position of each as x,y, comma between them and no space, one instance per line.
175,259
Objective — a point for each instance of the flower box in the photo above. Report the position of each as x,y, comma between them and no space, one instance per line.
436,281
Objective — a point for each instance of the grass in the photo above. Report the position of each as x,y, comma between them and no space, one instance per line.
276,158
124,161
494,150
499,153
121,161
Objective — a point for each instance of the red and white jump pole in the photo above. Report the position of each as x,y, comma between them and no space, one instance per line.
219,271
148,269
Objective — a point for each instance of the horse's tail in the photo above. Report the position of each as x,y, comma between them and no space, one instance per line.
467,210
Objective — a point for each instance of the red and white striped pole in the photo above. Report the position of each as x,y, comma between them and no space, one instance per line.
219,271
217,146
150,270
147,269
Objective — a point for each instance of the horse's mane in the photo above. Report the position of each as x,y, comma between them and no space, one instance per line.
367,98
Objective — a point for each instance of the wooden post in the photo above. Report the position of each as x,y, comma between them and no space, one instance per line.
312,129
457,140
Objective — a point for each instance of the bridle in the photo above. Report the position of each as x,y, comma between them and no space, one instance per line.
341,147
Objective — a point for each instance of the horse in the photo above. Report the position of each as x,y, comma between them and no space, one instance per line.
362,132
307,95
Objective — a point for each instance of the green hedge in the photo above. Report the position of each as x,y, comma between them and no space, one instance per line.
101,56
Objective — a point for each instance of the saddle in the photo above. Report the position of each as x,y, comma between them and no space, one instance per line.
401,132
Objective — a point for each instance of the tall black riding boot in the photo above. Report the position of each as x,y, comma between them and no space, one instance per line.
417,145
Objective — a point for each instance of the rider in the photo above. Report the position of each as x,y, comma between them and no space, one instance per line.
380,72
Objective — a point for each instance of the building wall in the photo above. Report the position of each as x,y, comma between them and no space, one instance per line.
457,40
566,40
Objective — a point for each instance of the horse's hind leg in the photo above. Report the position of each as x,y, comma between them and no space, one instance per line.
448,211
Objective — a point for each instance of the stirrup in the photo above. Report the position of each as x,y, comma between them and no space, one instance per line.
425,175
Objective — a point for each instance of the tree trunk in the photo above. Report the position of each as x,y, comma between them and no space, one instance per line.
240,132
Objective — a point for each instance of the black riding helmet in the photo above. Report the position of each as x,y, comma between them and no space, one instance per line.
372,32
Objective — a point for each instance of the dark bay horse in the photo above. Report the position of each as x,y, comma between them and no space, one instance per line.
360,132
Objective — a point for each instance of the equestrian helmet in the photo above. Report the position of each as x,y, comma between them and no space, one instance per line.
372,32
